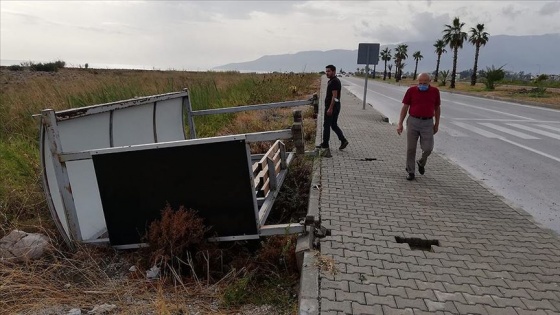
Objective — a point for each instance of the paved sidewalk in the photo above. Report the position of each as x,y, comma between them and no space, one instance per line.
491,258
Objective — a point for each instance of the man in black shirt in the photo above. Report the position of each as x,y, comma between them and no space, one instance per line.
332,110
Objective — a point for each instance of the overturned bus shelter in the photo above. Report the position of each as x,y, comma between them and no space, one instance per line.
109,169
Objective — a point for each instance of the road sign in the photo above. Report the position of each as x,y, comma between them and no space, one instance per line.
368,53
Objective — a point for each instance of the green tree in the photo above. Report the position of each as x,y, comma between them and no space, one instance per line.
440,49
454,36
386,56
401,54
389,72
417,56
478,38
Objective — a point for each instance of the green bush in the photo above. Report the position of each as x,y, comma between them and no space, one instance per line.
15,68
443,77
47,67
491,76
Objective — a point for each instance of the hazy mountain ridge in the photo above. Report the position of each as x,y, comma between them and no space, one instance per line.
531,54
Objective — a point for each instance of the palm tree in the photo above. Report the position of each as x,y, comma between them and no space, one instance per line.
386,56
389,73
440,49
400,55
417,56
454,36
401,67
478,38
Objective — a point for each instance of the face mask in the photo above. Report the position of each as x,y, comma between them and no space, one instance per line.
423,87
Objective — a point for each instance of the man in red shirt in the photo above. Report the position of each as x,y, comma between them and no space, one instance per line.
422,103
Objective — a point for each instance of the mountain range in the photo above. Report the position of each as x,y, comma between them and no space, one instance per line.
534,54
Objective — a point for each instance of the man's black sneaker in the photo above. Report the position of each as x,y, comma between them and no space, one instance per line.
410,176
421,168
343,145
322,146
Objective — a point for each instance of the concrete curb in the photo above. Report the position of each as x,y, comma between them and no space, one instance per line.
309,271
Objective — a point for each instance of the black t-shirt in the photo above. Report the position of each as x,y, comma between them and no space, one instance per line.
333,85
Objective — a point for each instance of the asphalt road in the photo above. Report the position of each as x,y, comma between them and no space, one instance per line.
513,148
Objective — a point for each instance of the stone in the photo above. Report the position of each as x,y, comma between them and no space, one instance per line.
20,246
103,308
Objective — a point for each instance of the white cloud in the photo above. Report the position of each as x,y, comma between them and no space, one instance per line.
204,34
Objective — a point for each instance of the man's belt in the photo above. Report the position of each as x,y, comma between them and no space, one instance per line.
422,118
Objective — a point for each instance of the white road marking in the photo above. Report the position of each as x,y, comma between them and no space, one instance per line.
490,110
474,129
508,131
454,132
532,150
537,131
509,120
549,127
492,135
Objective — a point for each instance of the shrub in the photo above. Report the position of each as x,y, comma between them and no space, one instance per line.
177,237
15,68
541,78
47,67
491,76
443,77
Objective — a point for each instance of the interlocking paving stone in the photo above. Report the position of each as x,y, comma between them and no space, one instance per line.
412,303
394,291
378,300
500,311
492,258
360,309
397,311
470,309
527,312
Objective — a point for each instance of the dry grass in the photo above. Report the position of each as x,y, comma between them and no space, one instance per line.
90,277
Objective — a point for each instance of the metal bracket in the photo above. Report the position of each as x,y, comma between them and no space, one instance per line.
319,231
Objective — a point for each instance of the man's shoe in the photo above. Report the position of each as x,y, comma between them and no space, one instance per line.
343,145
322,146
410,176
421,168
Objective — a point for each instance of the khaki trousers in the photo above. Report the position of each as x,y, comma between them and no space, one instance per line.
423,129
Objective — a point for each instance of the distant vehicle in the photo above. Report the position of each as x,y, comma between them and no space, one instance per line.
339,75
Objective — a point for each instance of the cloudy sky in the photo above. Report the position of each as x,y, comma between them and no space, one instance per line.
199,35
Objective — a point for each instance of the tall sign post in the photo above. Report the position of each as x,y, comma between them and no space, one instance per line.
368,54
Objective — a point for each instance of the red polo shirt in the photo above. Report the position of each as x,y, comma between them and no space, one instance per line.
422,103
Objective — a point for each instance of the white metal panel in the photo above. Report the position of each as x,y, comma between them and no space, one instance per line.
85,133
133,125
169,120
86,198
53,188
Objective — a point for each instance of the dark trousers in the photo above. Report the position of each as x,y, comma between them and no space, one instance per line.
332,122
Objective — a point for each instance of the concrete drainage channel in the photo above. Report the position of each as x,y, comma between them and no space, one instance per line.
305,248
